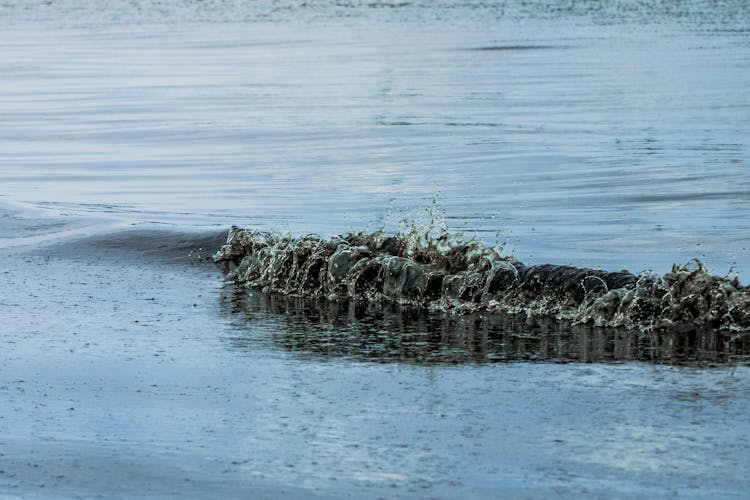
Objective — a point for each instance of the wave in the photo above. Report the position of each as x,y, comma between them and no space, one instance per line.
141,245
446,273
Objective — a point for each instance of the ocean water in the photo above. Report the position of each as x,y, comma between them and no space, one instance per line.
598,134
133,134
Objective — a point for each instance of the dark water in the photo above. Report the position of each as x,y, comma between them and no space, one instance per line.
383,334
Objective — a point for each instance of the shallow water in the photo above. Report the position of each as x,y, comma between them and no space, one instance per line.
322,329
124,372
597,134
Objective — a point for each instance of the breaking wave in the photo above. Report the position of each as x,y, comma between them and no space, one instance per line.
444,272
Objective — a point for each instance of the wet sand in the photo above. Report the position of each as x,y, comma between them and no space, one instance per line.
122,375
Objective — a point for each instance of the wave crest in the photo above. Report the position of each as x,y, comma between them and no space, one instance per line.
445,272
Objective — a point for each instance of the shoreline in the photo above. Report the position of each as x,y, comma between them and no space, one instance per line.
123,374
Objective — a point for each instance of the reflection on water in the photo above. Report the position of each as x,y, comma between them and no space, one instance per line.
386,333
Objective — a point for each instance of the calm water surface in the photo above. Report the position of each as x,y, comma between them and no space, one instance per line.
595,133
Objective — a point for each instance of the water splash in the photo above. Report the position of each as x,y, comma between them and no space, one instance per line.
426,266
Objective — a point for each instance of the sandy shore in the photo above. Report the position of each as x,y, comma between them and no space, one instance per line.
122,375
